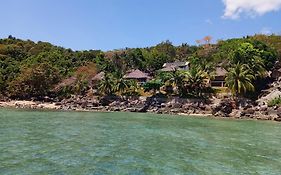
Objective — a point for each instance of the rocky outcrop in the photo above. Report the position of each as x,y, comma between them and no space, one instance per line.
141,104
176,106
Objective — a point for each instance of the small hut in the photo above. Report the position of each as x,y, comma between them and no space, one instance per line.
219,79
137,75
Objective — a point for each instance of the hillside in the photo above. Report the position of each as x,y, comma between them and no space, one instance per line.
29,69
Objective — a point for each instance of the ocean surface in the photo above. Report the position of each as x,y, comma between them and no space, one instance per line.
82,143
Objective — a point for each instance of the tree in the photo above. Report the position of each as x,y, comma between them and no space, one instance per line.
248,55
35,81
121,85
153,85
196,81
106,85
239,79
177,80
133,89
79,83
136,59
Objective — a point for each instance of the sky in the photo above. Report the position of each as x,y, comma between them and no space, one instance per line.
116,24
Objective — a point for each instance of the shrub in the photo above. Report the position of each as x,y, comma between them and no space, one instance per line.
275,102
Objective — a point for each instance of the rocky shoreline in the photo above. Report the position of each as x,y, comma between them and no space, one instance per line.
174,106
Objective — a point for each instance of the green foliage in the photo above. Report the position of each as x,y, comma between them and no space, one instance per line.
153,85
239,79
258,53
106,86
248,55
188,83
274,102
136,59
133,89
121,85
196,82
271,43
16,54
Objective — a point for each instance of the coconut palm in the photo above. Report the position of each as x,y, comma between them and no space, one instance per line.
106,85
121,85
196,81
239,79
172,80
133,89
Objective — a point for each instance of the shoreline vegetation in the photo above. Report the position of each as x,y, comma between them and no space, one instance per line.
237,78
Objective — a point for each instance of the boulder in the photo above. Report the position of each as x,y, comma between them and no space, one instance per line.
273,94
224,108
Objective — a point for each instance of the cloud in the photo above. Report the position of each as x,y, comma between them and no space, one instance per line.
252,8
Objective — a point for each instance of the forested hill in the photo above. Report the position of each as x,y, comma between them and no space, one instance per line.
30,69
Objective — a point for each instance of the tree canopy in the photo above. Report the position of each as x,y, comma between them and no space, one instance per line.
26,66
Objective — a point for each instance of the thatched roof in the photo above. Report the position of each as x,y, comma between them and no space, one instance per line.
136,74
220,71
98,77
176,64
169,67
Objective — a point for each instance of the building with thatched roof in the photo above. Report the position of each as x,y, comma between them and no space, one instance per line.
137,75
219,79
169,67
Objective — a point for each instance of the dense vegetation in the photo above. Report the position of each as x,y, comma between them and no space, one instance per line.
34,70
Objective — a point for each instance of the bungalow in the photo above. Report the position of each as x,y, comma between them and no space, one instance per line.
219,80
169,67
137,75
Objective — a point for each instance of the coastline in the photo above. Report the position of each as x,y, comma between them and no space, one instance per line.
59,106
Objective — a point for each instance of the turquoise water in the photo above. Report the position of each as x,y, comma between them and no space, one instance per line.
33,142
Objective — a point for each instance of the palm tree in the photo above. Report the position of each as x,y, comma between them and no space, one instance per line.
196,81
239,79
133,89
81,85
106,85
121,85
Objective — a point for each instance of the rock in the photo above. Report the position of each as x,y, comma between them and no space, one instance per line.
58,103
224,108
273,94
263,108
249,111
235,113
221,114
163,105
